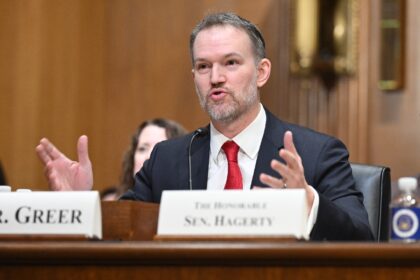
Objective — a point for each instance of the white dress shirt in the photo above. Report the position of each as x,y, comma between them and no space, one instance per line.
249,141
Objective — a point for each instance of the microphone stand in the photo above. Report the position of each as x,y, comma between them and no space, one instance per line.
198,132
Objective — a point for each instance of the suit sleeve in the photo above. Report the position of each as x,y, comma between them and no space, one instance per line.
341,214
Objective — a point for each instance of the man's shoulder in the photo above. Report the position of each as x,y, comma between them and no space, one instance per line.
299,132
182,141
175,143
306,131
178,140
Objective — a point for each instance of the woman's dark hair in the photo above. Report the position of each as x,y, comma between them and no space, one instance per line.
172,129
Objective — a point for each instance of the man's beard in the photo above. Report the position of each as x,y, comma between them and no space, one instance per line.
232,107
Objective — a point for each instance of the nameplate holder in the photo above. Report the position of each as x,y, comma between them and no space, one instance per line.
233,215
42,214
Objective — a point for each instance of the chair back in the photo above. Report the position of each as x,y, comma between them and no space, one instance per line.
375,184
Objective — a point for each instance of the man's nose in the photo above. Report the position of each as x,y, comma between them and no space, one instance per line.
217,74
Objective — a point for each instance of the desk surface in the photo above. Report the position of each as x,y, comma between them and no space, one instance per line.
207,260
229,253
137,257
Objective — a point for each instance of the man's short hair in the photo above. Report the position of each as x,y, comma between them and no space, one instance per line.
232,19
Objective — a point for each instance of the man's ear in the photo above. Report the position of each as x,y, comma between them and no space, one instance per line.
264,70
193,73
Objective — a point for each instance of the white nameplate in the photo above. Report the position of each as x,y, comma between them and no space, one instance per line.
51,213
279,213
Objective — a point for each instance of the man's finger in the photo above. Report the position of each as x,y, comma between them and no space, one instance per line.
290,158
42,154
285,172
288,142
82,150
271,181
50,149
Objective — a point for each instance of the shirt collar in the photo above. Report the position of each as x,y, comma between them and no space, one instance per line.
249,139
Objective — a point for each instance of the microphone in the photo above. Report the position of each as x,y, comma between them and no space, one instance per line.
198,132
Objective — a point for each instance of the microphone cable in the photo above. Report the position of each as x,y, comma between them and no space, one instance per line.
198,132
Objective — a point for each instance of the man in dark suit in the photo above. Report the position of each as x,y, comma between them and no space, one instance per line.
229,68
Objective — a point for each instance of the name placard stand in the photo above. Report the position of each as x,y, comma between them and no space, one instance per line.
227,238
50,216
47,237
261,215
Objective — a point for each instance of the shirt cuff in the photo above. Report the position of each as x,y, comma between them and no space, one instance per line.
313,214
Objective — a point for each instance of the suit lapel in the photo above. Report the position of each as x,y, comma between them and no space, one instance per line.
271,143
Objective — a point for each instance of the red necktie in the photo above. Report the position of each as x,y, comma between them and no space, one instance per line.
234,177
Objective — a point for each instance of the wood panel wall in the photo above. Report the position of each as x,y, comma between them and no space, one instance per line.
378,127
101,67
97,68
342,111
394,117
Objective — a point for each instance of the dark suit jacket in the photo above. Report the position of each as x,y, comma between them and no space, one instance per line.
341,214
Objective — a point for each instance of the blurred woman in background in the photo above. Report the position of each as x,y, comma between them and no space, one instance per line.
147,135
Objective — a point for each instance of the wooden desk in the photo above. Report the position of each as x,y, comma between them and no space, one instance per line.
207,260
128,252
